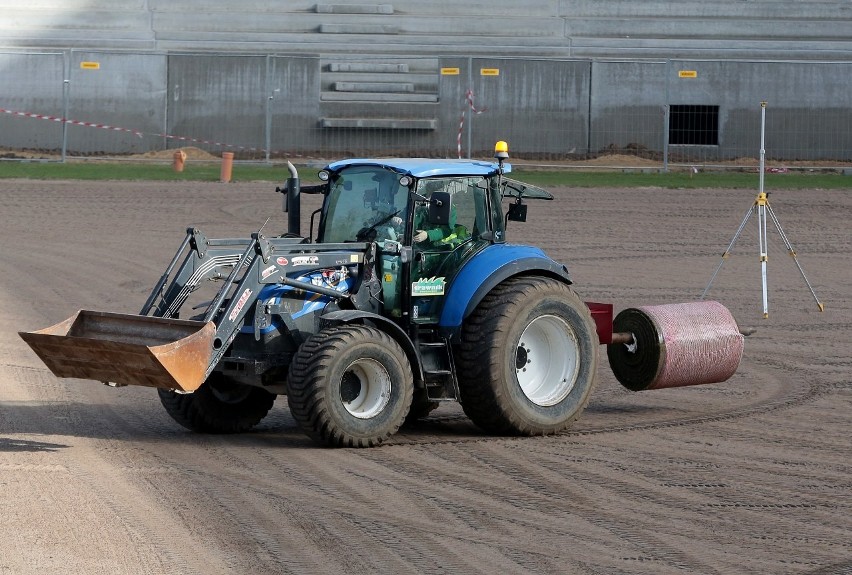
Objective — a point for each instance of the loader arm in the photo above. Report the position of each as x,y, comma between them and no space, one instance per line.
160,350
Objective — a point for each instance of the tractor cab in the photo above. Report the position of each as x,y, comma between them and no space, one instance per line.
426,217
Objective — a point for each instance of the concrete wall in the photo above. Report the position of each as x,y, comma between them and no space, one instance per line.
553,28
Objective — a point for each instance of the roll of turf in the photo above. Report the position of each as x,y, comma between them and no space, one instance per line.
676,345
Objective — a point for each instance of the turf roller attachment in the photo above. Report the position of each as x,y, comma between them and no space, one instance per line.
675,345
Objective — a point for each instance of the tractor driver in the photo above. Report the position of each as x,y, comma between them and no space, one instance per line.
425,232
382,200
432,234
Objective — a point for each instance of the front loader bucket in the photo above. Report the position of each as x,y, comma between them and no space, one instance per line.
127,349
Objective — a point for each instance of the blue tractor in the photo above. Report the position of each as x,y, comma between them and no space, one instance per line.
405,294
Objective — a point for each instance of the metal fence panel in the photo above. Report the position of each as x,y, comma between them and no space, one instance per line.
809,108
119,89
627,108
292,106
32,83
539,106
679,111
217,101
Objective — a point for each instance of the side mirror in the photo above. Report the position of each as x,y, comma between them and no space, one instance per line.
439,208
517,212
315,189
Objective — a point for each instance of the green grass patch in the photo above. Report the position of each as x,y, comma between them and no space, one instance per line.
684,180
135,171
635,178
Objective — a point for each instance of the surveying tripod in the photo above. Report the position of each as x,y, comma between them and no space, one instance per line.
762,207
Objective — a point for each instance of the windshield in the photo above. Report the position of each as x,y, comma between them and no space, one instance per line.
363,204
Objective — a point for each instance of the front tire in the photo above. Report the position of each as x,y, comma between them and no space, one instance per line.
350,386
528,358
220,405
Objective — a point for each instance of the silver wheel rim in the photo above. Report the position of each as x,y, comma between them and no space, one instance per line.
547,360
374,389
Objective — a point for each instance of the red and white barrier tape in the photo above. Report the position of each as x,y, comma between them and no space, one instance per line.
468,98
74,122
128,130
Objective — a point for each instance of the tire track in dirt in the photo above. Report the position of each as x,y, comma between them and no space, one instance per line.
748,476
92,469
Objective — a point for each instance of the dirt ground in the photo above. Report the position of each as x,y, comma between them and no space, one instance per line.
753,475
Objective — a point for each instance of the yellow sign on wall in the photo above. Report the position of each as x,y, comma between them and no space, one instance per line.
489,71
687,73
450,71
90,65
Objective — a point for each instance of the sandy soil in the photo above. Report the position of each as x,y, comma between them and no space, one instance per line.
750,476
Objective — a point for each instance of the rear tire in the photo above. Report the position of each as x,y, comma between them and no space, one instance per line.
528,358
350,386
220,405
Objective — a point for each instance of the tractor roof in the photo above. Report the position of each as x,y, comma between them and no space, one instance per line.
426,167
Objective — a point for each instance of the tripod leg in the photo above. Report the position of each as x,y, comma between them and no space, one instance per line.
792,253
762,243
728,251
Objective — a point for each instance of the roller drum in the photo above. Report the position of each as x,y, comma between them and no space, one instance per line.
676,345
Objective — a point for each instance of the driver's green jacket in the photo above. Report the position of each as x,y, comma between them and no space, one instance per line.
434,233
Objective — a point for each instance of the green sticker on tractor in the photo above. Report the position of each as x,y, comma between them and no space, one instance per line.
428,286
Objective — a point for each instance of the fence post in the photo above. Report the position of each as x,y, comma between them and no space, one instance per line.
470,120
666,119
66,93
270,96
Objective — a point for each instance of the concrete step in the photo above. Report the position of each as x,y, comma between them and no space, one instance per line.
477,8
759,10
379,123
228,7
127,23
20,40
398,45
383,97
482,8
384,82
373,68
697,48
368,87
413,80
384,9
425,45
250,24
57,7
416,80
767,28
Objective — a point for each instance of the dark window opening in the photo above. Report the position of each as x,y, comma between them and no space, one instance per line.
694,125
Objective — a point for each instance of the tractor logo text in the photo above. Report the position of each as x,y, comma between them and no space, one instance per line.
282,261
305,260
427,287
240,304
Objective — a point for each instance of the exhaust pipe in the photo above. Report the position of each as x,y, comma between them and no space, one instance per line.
292,201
